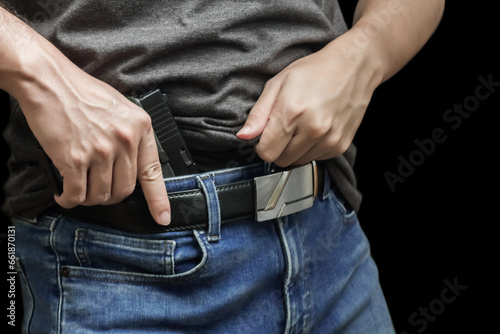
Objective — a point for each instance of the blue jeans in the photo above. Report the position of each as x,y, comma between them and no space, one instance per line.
309,272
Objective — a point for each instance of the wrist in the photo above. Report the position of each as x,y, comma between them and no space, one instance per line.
363,54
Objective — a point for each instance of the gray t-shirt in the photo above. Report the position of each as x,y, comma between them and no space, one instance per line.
212,58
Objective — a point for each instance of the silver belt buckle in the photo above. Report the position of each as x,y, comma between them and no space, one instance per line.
285,192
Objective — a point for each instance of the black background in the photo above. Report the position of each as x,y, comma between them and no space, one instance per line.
440,223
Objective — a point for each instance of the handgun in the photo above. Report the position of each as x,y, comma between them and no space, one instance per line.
174,155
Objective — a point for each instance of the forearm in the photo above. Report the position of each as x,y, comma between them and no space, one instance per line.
14,36
391,32
402,32
28,62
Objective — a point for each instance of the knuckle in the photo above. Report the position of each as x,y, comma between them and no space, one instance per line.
125,137
104,197
77,159
333,141
69,201
344,146
257,113
282,126
151,172
294,111
271,83
144,120
104,151
337,144
98,199
318,129
266,155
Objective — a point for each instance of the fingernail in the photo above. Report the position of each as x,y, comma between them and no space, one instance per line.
244,130
165,218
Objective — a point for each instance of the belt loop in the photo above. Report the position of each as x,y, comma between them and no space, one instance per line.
206,183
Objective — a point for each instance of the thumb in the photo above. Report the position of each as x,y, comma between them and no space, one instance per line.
259,114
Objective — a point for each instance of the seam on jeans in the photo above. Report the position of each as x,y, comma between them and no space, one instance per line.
342,209
169,258
58,276
288,271
305,282
229,220
79,247
349,217
326,185
203,226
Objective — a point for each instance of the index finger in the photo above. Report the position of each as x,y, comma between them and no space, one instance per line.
150,177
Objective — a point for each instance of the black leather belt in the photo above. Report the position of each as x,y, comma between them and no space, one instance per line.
189,209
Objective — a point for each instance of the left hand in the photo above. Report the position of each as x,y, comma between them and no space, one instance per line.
312,109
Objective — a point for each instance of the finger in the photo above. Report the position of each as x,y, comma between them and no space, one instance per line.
259,114
124,177
298,146
315,153
273,140
99,183
150,177
330,146
313,137
279,130
74,187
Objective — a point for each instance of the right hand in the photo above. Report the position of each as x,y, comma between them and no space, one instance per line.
100,142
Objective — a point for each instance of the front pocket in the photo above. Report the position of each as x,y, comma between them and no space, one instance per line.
157,255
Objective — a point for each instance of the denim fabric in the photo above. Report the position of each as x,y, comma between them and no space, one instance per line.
310,272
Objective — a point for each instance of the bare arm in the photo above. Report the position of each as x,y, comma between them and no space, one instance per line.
312,109
397,28
99,141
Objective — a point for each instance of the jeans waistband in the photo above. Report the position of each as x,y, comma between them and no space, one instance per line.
206,200
220,177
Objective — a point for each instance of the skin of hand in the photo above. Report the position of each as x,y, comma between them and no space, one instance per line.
312,109
100,142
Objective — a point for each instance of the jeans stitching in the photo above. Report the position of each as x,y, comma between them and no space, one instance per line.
308,303
112,276
288,274
58,275
171,250
79,248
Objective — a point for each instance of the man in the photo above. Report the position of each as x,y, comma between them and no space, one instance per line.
287,71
